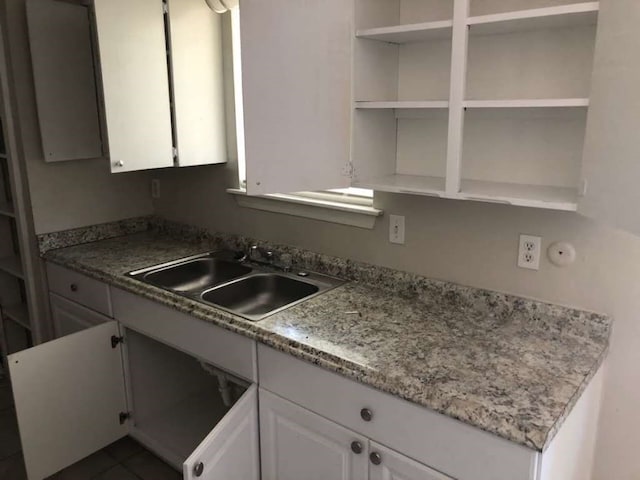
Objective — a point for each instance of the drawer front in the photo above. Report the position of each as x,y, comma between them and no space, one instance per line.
445,444
69,317
227,350
80,288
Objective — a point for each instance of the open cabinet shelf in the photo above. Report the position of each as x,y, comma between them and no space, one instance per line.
398,183
529,103
538,196
563,16
12,265
417,32
18,313
403,105
6,209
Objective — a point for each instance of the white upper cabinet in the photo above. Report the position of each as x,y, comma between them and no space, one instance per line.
296,70
611,164
135,83
157,67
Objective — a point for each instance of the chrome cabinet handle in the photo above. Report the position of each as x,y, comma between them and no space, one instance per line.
73,287
356,447
198,468
375,458
366,414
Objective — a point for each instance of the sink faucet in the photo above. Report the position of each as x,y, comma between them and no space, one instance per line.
267,257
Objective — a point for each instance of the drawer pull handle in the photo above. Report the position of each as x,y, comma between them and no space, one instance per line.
366,414
74,287
198,468
356,447
375,458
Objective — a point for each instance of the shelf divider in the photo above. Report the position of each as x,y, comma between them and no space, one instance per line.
399,183
411,33
539,196
577,14
439,104
6,209
12,266
529,103
19,314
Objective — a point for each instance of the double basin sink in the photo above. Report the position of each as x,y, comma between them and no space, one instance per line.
226,281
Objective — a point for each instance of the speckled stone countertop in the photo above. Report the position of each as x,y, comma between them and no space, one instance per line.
510,366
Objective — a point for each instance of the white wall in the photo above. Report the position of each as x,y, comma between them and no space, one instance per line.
472,244
67,194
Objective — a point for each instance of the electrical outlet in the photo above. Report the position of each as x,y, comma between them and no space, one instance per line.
396,229
529,252
155,188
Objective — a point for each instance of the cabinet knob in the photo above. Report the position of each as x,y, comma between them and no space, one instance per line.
119,163
375,458
198,468
73,287
366,414
356,447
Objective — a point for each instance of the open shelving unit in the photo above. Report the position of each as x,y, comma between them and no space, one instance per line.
473,100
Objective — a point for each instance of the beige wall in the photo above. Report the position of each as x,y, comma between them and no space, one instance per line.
473,244
66,194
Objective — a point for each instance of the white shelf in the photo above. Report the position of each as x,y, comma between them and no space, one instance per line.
6,209
554,198
532,103
398,183
19,314
413,33
578,14
12,266
440,104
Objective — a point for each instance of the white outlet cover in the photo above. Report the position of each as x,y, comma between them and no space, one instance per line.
561,254
529,252
396,229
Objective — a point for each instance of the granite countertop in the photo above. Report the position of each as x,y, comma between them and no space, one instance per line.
509,366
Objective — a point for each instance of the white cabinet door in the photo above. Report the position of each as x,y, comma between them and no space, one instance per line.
198,82
68,395
64,80
386,464
611,165
69,317
231,450
135,82
296,83
298,444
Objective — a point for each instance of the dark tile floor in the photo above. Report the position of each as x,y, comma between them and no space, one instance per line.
122,460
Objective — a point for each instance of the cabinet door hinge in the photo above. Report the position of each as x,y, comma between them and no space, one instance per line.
165,8
123,417
116,340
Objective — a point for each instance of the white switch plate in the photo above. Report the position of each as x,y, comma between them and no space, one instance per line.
396,229
529,252
155,188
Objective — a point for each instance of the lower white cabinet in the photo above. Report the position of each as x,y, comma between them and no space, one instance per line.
81,392
69,317
297,443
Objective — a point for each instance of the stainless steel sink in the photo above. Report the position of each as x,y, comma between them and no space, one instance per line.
193,275
228,282
259,295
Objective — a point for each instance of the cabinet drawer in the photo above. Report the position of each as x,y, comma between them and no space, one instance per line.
227,350
79,288
449,446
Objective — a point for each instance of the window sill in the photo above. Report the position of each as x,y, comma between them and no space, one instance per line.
361,216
